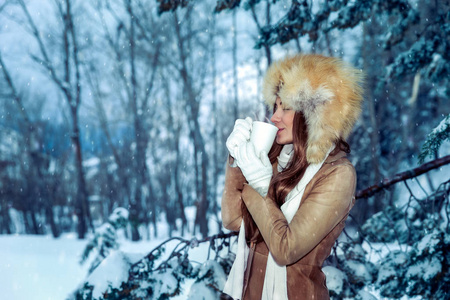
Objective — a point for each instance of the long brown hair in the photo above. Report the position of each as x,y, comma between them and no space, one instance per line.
283,182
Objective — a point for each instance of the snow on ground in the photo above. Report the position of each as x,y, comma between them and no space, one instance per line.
41,267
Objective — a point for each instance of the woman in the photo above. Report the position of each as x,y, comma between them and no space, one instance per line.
291,205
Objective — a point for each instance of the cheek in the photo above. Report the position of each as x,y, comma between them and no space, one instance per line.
289,120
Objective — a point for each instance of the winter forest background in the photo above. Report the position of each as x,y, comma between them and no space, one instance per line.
114,116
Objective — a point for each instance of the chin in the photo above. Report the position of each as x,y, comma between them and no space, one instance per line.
282,141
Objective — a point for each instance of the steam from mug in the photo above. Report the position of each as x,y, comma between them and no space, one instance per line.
262,136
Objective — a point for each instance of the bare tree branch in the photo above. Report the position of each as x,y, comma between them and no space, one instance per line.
46,61
14,92
4,5
385,183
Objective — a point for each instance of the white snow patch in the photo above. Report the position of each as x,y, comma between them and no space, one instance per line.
359,270
429,241
40,267
199,291
433,268
364,295
91,162
119,213
442,125
335,278
111,272
425,269
203,289
385,273
167,283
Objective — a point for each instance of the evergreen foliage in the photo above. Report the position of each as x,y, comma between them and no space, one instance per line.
162,276
105,238
352,273
429,53
418,268
435,139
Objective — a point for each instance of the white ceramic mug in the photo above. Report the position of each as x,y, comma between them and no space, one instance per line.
262,136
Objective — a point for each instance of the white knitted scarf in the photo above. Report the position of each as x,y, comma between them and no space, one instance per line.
275,281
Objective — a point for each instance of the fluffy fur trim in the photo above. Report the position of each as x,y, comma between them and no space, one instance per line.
325,89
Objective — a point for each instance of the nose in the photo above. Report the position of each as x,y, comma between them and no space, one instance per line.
276,117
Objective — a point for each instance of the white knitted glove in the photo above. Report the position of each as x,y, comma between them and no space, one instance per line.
257,170
240,134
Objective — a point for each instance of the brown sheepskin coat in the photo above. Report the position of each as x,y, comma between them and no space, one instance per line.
304,244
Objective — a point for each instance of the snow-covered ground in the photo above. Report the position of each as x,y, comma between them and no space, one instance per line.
41,267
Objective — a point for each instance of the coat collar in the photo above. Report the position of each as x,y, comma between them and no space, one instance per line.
332,158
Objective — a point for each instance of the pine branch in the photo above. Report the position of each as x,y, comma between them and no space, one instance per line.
435,139
387,182
180,247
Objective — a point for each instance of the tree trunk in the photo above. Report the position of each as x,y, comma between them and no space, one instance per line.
216,165
51,219
26,222
81,205
194,128
36,225
6,224
37,163
139,134
235,75
377,204
175,127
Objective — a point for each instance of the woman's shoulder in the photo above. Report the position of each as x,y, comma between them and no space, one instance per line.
336,174
337,164
333,184
340,158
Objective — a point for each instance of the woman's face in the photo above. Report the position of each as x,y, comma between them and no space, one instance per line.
283,118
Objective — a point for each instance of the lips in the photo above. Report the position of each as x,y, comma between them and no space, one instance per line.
280,130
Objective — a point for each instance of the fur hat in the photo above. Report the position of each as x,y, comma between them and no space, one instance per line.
325,89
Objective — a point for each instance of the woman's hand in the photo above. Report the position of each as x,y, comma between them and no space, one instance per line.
256,169
240,134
